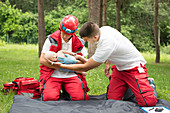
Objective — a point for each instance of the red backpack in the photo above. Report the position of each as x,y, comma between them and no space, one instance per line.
24,86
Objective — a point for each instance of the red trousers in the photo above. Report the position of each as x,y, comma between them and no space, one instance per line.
138,82
73,86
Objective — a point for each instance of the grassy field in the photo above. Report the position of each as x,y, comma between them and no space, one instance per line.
23,61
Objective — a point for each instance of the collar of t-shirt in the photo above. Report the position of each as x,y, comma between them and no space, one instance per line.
67,45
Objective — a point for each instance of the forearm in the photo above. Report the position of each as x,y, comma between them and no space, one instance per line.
74,67
79,62
47,64
90,64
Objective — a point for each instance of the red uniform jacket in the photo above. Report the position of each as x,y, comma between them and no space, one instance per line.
45,72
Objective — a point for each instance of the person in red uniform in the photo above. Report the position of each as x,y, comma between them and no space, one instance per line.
129,69
53,80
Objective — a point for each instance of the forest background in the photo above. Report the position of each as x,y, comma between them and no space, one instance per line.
19,20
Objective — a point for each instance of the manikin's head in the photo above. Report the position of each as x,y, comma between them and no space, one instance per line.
50,55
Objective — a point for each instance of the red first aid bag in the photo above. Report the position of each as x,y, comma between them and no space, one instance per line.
24,86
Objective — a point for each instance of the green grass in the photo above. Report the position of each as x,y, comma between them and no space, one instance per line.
160,73
22,61
16,61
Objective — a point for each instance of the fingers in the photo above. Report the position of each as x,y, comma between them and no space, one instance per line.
57,63
51,62
60,59
66,55
108,76
107,73
74,54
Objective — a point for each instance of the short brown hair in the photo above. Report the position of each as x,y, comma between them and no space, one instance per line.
89,29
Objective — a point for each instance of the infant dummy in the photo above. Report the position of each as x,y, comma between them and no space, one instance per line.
52,56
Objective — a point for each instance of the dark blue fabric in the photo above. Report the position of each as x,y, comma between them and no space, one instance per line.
96,104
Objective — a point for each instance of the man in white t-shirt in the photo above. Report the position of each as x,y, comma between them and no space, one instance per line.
129,68
53,80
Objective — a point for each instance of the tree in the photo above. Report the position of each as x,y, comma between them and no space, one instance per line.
94,16
104,22
156,33
41,25
118,4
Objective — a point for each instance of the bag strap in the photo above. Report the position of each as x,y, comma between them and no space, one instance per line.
15,84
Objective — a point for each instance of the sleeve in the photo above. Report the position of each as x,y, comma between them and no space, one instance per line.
46,46
104,51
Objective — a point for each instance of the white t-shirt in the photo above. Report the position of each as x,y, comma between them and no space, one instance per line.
116,48
65,46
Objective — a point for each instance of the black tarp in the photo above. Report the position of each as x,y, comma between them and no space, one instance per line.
96,104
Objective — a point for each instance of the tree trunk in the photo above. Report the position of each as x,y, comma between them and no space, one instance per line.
94,16
118,4
41,25
157,60
104,12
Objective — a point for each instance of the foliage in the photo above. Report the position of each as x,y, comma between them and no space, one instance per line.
9,18
111,13
164,24
137,18
51,23
2,43
17,24
26,26
165,49
137,22
22,61
53,18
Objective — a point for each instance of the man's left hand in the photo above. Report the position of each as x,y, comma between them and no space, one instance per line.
107,69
